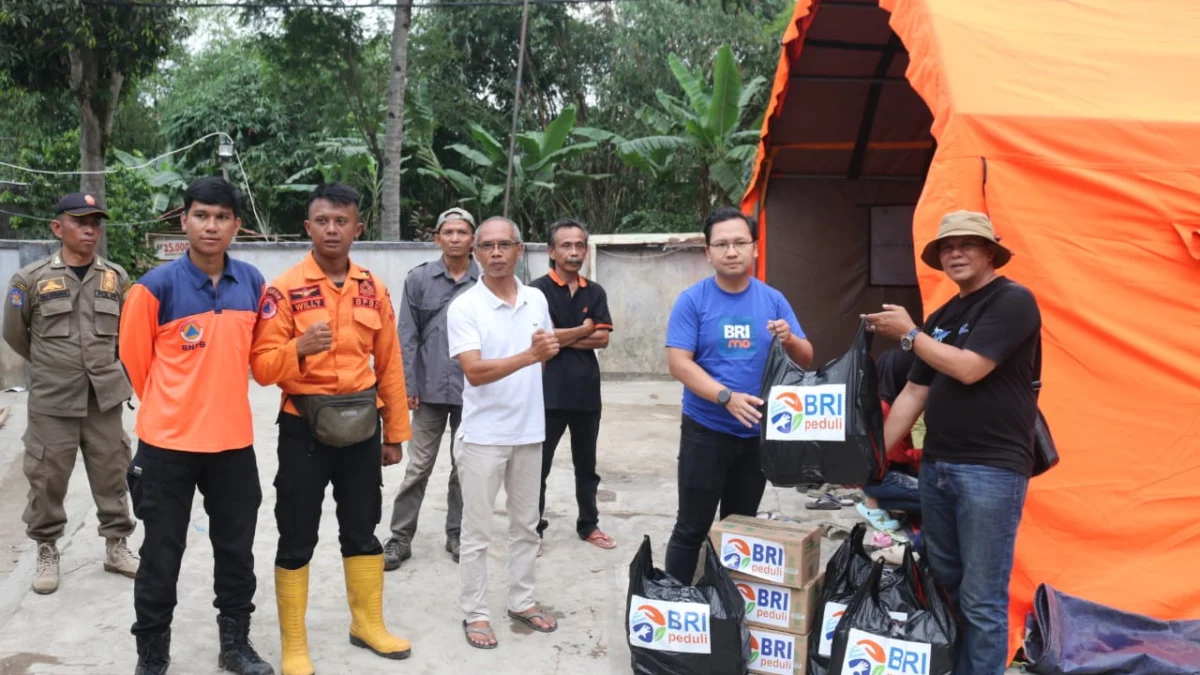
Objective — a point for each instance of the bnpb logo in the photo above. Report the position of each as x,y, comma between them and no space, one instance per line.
736,554
649,624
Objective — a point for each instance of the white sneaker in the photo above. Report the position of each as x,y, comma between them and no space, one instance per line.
45,581
119,559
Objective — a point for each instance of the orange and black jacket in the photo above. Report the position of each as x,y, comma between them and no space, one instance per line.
186,346
363,323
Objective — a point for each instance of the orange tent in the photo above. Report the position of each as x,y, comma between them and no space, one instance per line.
1076,126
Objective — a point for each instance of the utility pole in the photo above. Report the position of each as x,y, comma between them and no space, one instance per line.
512,137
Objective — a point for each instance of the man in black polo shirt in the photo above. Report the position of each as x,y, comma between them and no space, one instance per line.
973,376
579,309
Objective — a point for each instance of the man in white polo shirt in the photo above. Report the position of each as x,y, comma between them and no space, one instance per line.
501,333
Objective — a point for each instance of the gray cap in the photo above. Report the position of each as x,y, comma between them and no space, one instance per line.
454,214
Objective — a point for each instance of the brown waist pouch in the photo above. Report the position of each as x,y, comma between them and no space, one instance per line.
339,420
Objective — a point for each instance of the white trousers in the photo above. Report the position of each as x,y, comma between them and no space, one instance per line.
481,471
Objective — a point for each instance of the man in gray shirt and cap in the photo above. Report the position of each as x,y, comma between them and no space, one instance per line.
433,379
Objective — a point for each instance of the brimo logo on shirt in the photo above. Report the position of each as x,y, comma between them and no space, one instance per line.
812,413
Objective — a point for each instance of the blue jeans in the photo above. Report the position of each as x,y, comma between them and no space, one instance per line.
971,513
896,492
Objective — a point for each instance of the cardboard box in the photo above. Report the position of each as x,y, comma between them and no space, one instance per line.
780,608
776,551
774,653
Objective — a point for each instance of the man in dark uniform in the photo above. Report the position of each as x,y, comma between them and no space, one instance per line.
62,316
579,309
326,334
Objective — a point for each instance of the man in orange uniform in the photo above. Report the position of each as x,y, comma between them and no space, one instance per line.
319,325
185,342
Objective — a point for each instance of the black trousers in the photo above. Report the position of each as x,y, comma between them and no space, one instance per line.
585,428
306,467
714,469
161,486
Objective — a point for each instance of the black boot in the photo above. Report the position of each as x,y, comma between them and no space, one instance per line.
237,656
154,654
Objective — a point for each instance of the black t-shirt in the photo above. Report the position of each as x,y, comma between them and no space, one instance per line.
81,270
990,422
572,379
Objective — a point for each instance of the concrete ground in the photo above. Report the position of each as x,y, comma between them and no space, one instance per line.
84,628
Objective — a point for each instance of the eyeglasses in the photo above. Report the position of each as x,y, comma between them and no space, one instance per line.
740,245
573,246
489,246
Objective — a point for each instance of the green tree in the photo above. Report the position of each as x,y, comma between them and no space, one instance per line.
710,127
92,50
540,168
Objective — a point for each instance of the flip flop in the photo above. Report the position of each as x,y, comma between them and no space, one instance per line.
528,617
484,632
878,518
825,502
600,540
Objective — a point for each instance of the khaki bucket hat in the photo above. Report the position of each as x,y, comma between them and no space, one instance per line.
965,224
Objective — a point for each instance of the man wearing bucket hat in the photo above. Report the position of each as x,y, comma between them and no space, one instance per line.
62,315
434,380
973,376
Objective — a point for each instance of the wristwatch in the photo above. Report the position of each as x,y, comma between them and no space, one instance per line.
906,342
723,397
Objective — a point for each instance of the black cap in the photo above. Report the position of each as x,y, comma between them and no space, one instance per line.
79,204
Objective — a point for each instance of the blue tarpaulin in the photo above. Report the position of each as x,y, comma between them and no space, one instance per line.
1071,636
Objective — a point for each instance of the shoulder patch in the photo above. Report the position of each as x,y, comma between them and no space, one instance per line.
16,297
270,303
20,285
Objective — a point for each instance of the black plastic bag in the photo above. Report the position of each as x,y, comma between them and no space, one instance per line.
868,641
1070,636
685,630
848,571
823,426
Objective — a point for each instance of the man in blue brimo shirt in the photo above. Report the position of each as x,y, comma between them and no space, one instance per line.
717,342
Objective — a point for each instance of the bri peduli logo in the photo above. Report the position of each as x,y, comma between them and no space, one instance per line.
873,655
669,626
749,595
772,653
753,648
649,625
757,557
766,604
787,412
736,554
866,657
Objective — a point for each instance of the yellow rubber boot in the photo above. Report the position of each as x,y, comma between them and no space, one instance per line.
291,596
364,591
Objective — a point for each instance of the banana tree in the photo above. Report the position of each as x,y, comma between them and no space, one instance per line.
167,180
351,161
711,126
538,168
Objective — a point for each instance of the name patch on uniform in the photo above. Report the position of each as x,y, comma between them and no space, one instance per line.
15,297
366,288
108,295
373,303
108,282
51,289
270,303
306,298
